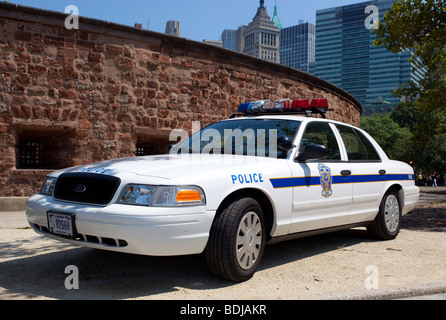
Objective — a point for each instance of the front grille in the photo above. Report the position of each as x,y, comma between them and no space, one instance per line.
91,188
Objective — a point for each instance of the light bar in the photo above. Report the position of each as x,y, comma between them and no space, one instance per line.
255,106
297,106
302,104
319,105
281,104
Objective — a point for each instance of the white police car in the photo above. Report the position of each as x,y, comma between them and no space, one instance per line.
230,189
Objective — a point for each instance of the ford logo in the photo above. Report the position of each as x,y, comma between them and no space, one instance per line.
80,188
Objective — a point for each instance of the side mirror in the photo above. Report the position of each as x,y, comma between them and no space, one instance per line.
312,151
284,143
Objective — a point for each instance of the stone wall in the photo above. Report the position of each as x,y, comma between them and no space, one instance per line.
72,97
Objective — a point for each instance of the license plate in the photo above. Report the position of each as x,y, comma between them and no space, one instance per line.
60,224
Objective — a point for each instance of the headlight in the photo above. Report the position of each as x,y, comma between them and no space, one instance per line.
162,196
48,186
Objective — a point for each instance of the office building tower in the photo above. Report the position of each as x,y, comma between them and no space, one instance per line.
173,28
276,19
229,39
260,38
346,56
297,46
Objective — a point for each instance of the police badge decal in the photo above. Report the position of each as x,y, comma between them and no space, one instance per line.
326,180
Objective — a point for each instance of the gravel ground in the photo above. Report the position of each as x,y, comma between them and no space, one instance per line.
342,265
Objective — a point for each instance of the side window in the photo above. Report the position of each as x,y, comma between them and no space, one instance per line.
372,154
358,147
321,133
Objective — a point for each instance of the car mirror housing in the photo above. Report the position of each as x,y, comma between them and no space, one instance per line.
284,143
312,152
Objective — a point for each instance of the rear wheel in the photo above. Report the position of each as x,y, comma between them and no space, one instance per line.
387,223
237,241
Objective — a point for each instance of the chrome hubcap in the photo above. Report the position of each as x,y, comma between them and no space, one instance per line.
392,213
249,240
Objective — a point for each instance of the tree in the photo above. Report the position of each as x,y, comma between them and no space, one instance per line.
419,26
408,115
435,154
395,141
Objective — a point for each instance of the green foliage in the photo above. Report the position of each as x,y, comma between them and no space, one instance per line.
435,154
395,141
419,26
407,134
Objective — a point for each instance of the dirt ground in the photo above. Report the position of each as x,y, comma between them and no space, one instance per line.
342,265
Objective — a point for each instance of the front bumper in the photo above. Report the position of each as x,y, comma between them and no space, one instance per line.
125,228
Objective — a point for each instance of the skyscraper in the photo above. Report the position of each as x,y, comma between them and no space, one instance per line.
173,28
346,57
276,19
261,37
229,38
297,46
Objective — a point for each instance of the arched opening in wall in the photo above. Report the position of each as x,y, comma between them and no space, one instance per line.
151,142
44,147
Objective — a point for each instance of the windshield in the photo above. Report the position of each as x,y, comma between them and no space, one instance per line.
251,137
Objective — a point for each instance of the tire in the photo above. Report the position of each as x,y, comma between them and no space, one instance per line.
237,241
387,223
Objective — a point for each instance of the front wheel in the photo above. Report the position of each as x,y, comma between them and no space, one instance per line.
237,241
387,223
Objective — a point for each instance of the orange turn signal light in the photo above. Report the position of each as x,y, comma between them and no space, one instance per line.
188,196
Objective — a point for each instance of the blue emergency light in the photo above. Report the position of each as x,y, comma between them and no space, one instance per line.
285,106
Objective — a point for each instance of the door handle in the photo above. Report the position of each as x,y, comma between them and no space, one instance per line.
346,173
382,172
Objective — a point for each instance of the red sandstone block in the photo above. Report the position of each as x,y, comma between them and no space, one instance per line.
112,89
84,124
112,49
68,94
36,112
36,69
124,62
125,137
23,78
68,53
22,57
16,111
7,66
85,45
64,32
22,35
56,41
27,111
165,60
123,117
94,57
68,73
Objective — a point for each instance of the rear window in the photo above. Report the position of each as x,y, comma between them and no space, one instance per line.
358,147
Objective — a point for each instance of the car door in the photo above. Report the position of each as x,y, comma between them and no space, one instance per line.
322,192
368,175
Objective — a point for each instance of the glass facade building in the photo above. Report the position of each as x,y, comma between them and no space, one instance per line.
229,39
346,56
297,46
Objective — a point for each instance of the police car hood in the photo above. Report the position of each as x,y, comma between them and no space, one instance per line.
170,166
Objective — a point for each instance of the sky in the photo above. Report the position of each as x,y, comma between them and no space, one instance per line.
199,19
